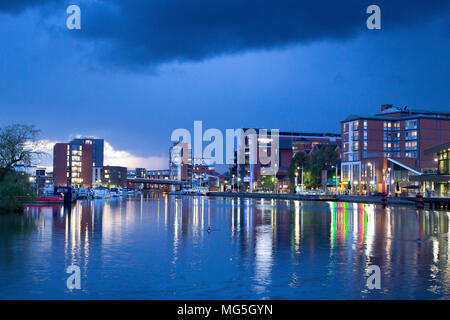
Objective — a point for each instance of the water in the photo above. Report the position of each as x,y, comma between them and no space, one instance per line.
157,247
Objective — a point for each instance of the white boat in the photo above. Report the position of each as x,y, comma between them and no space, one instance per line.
198,191
102,193
115,192
83,193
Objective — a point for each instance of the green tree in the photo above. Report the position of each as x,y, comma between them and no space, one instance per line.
268,182
312,165
18,145
296,164
14,187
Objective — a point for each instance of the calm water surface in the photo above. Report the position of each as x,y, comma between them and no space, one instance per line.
159,247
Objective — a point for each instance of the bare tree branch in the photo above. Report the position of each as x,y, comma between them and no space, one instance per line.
18,145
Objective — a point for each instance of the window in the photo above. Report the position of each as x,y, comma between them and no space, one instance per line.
387,125
365,135
345,173
397,126
356,125
356,146
345,127
355,135
365,124
411,135
412,154
365,145
411,124
397,147
411,146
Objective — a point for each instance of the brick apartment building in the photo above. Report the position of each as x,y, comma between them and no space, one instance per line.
289,143
73,162
110,176
381,152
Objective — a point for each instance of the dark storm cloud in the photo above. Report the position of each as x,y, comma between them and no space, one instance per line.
150,32
17,6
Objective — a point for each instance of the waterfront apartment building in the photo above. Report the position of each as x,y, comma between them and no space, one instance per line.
114,176
73,162
380,152
98,146
249,174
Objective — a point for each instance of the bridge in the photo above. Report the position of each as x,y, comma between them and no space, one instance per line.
153,181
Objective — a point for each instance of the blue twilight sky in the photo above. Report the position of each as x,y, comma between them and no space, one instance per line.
139,69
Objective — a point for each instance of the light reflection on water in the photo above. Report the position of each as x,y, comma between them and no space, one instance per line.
167,247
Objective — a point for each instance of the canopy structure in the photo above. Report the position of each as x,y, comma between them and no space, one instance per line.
416,171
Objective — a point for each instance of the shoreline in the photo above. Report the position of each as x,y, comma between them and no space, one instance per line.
332,198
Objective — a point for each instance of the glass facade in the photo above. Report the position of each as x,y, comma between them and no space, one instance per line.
443,162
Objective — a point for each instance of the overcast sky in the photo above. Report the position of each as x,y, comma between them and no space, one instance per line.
139,69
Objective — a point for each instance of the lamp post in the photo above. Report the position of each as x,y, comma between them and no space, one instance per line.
303,181
336,179
274,185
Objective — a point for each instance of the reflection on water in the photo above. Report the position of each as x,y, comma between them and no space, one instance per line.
211,248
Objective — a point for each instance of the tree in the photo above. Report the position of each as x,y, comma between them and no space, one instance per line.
298,161
13,188
312,164
18,145
268,182
325,156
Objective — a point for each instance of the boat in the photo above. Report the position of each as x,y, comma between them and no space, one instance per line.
197,191
83,193
115,192
47,200
101,193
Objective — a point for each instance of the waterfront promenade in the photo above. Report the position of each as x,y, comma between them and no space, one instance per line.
411,201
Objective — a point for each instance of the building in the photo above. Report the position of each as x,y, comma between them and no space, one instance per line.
158,174
249,174
436,184
140,172
380,152
73,162
36,174
114,176
180,162
97,149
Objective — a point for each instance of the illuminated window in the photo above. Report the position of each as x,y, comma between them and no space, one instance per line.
411,124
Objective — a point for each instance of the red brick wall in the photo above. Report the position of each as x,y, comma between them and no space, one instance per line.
60,164
87,165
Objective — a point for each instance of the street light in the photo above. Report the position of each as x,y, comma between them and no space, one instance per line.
336,178
274,185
